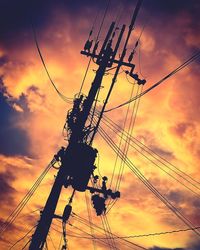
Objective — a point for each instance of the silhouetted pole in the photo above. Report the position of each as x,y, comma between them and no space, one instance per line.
41,232
105,59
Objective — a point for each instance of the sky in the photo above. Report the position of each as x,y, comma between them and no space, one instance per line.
167,122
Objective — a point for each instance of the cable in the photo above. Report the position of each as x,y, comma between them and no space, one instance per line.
104,242
124,124
97,37
85,222
90,219
11,218
126,147
103,19
183,65
148,184
108,232
180,173
130,129
66,99
118,128
139,60
52,241
23,237
25,244
140,235
129,137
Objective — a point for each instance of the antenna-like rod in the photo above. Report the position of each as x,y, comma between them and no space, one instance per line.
131,27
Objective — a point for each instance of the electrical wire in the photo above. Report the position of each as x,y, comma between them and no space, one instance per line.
51,241
130,130
154,155
139,235
96,39
100,229
23,237
180,67
152,161
126,146
102,241
90,219
108,230
63,97
25,245
12,217
120,143
148,184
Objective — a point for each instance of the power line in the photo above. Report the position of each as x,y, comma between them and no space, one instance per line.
96,39
129,137
99,229
130,236
64,98
142,235
183,65
153,154
23,237
12,217
147,183
90,219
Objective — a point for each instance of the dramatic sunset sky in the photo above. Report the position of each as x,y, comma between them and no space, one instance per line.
33,115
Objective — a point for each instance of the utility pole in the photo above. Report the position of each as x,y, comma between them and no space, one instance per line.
76,171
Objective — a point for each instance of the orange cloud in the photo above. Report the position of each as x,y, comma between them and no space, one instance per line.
167,121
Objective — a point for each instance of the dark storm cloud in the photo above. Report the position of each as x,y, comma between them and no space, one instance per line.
162,152
161,248
6,190
14,141
171,6
18,16
172,24
194,245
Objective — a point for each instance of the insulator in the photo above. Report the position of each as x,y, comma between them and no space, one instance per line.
96,177
105,178
88,45
90,33
95,47
67,213
115,195
136,44
131,56
141,82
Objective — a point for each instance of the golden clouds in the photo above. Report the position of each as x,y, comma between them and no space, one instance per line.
166,120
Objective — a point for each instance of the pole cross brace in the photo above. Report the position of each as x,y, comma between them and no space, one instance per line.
131,65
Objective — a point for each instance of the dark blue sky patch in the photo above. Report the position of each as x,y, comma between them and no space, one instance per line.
13,140
6,190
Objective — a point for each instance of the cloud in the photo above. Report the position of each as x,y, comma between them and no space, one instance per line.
33,115
161,248
6,190
194,245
